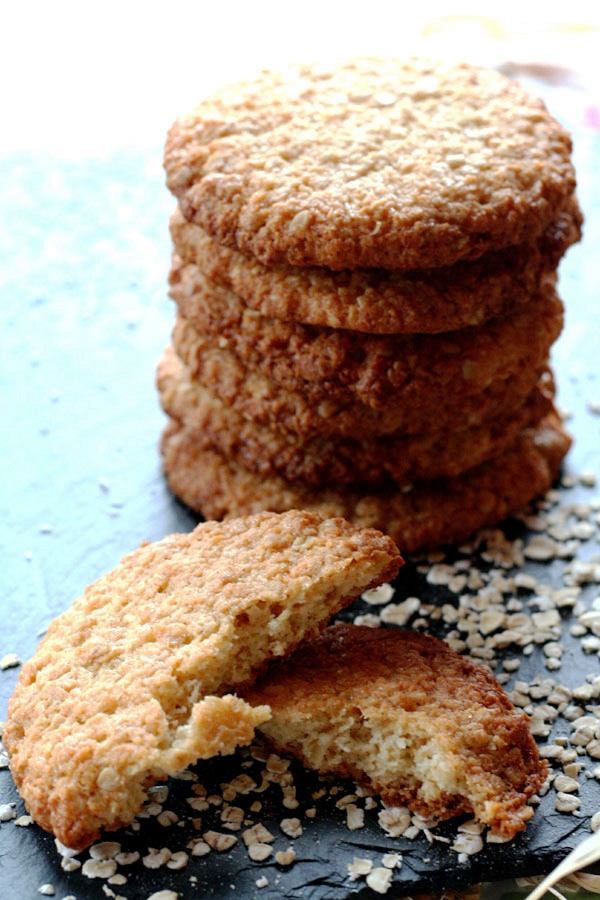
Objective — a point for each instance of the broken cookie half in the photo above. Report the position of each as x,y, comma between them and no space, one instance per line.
137,679
403,713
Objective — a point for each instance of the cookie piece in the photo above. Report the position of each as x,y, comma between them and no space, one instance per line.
313,411
404,714
321,461
377,301
431,513
135,681
396,164
348,367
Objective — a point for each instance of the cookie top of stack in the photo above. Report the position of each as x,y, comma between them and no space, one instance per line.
379,163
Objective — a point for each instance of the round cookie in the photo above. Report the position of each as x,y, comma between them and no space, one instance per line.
430,514
352,367
403,714
378,301
396,164
321,461
315,413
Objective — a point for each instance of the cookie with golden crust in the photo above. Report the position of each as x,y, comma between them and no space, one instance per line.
404,714
378,301
431,513
388,163
136,680
315,411
353,367
321,461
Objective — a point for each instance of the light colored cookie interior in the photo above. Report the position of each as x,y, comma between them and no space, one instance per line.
403,713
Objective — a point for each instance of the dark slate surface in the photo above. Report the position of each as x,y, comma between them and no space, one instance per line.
84,253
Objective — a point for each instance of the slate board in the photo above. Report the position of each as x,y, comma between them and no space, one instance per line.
84,253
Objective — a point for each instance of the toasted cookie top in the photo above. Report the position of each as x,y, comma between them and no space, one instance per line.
133,683
380,163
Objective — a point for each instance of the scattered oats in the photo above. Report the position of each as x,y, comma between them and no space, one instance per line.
595,822
310,813
355,817
99,868
346,800
127,859
164,895
156,858
63,850
392,860
159,793
47,890
7,812
553,664
258,834
256,806
218,841
291,827
553,650
588,479
370,803
243,784
285,857
277,764
566,803
566,785
178,860
69,865
232,817
105,850
198,847
511,665
214,800
369,620
23,821
468,844
491,619
379,595
394,820
400,613
379,880
262,881
117,879
197,803
9,661
359,867
259,852
440,574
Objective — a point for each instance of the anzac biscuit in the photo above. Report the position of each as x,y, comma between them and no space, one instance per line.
135,681
431,513
324,409
322,461
352,367
404,714
378,163
378,301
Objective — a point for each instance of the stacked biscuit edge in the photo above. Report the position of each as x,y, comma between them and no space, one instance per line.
364,272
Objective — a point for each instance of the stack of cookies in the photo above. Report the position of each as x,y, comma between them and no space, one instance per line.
365,277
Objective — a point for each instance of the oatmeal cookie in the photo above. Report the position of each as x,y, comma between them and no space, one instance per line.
349,367
319,461
387,163
377,301
404,714
135,681
431,513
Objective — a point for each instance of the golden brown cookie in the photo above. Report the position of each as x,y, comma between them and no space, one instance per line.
404,714
336,460
316,411
446,510
397,164
135,681
348,367
378,301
